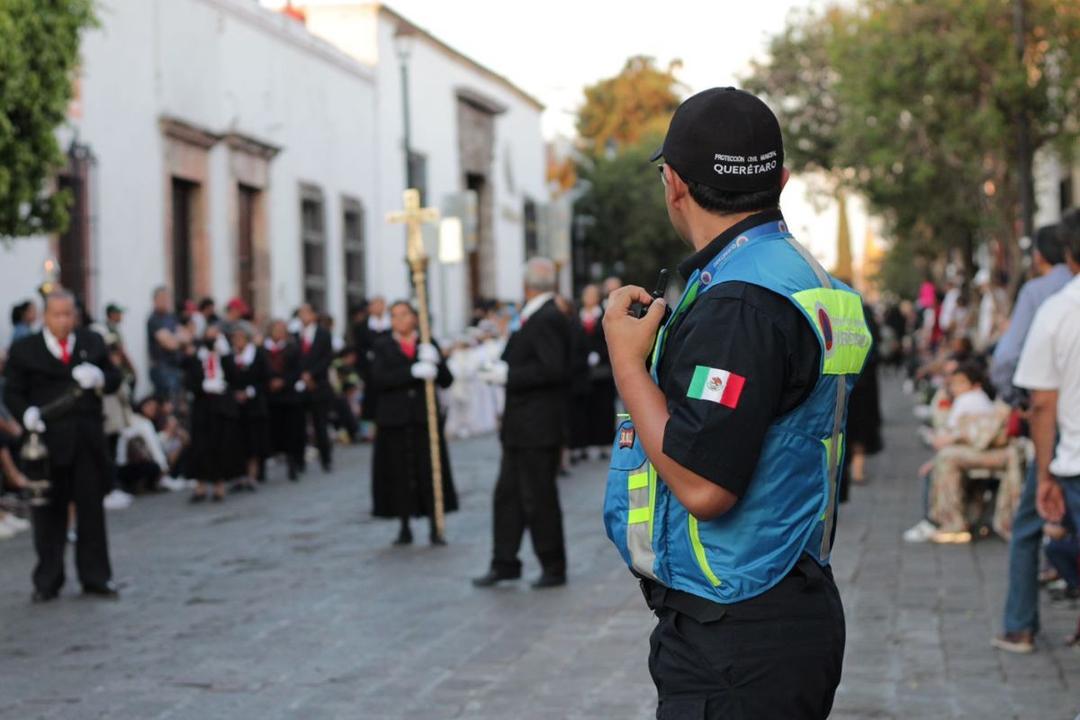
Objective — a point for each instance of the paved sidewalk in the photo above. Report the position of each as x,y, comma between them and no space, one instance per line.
291,604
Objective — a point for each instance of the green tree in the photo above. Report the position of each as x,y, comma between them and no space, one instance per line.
621,123
629,228
39,46
621,110
915,105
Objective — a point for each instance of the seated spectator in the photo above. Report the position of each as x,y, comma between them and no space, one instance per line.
175,441
140,459
973,437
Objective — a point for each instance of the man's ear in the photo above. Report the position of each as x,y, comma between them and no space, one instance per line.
676,187
785,175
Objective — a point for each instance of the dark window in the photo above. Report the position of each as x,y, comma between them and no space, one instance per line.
352,216
1065,189
246,200
313,237
183,196
532,234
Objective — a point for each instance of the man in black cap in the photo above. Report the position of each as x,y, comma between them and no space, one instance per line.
722,489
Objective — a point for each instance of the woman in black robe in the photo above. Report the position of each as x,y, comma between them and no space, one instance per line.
247,373
401,462
213,418
286,417
594,385
864,417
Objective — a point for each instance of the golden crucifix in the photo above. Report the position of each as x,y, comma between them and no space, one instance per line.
414,217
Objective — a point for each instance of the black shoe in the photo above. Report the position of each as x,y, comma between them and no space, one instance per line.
438,540
404,537
293,475
328,467
107,591
236,487
549,581
40,597
197,498
494,577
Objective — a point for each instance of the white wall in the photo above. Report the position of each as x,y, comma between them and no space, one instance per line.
226,66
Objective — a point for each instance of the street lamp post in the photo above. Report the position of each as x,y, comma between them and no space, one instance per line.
403,44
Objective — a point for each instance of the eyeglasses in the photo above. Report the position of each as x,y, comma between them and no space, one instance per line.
663,178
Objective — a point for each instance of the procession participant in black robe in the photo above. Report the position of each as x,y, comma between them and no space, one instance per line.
286,417
401,464
54,382
213,417
594,385
247,374
316,394
376,324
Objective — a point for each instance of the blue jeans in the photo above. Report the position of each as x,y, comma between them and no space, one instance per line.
168,381
1071,488
1022,601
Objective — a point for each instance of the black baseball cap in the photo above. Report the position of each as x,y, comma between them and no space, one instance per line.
113,308
727,139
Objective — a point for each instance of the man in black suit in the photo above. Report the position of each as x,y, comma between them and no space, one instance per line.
535,368
316,394
55,380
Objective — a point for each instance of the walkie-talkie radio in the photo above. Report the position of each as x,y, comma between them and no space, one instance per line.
638,310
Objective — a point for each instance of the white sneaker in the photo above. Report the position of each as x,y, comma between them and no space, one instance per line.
174,484
921,532
6,531
15,523
118,500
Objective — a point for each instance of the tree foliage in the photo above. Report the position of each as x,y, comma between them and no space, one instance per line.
621,123
915,105
629,231
39,45
621,110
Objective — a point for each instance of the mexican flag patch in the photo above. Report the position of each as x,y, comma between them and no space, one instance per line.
716,385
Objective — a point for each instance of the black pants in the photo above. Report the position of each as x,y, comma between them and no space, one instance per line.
82,483
318,409
526,496
778,656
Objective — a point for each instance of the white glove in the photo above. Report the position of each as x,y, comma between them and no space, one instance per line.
88,376
32,421
424,370
426,352
594,359
250,391
494,374
213,386
300,386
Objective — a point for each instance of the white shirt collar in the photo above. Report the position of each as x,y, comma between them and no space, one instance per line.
54,345
248,355
308,333
535,304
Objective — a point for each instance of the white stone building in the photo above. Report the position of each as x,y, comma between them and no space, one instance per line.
471,129
222,148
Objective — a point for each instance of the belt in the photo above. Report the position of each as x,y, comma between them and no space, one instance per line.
659,597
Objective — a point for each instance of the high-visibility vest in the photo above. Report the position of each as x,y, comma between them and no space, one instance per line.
790,505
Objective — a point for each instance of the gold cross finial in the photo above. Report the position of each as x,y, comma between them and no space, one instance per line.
414,217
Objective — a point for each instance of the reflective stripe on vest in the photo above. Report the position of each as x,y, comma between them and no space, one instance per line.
641,490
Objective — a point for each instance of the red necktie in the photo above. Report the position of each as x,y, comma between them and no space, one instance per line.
305,346
408,348
210,366
65,355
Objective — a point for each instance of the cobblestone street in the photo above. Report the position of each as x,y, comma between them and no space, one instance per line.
291,603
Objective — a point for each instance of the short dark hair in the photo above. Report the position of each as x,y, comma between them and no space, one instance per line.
1048,243
973,371
1069,233
205,303
725,202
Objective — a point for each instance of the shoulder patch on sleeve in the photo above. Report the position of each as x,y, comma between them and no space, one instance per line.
716,385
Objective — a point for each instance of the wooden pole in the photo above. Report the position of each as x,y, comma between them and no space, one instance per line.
413,217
